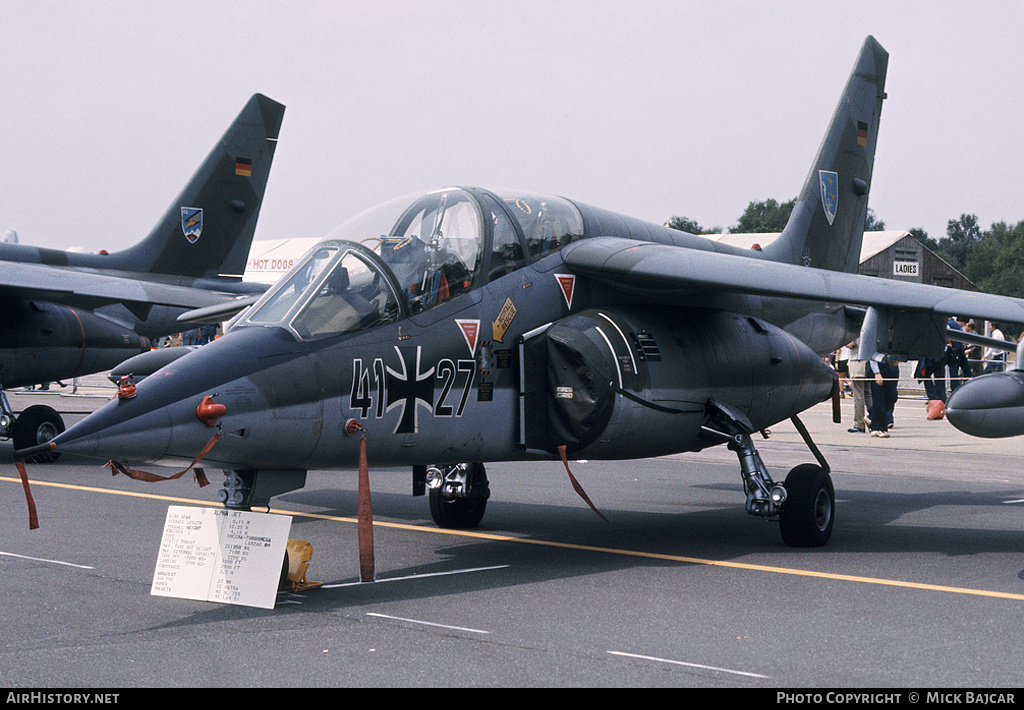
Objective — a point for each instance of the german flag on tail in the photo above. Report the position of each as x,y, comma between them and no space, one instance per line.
862,133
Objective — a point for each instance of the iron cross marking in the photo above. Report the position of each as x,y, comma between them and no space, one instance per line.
409,387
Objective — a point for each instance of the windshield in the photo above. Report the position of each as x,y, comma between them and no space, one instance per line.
281,298
333,290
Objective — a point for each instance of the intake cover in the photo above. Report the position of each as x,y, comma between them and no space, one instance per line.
580,397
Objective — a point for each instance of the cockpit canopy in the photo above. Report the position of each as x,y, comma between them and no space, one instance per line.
412,254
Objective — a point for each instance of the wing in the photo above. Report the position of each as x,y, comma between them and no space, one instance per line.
90,290
646,267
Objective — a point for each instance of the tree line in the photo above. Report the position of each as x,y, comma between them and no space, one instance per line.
761,217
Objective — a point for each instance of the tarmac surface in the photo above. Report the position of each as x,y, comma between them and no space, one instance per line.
920,588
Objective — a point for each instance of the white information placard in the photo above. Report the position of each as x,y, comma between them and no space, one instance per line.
221,555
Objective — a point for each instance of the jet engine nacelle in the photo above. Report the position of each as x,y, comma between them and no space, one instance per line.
631,381
45,342
989,406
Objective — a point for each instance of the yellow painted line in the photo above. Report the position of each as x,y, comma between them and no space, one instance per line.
567,545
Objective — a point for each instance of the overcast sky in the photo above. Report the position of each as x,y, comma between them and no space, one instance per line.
652,109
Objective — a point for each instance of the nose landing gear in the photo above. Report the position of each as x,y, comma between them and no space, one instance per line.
458,494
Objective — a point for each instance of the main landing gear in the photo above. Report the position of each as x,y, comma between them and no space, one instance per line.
806,518
36,425
804,505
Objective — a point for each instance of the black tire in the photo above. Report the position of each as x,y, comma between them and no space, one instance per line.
458,513
810,507
37,425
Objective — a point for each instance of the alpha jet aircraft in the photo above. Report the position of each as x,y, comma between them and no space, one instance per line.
457,327
64,314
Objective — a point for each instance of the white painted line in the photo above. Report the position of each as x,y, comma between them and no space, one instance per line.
40,559
690,665
414,576
607,342
427,623
1011,502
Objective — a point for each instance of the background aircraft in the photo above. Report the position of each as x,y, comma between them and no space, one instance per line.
64,314
447,329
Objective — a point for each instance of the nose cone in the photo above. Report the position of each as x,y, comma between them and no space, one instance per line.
989,406
177,409
119,430
159,424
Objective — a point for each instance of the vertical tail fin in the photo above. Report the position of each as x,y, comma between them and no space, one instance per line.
826,228
207,231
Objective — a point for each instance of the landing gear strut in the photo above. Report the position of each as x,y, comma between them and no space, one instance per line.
458,494
804,504
246,489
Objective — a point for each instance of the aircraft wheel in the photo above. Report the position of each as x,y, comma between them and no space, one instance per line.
810,507
456,513
37,425
460,513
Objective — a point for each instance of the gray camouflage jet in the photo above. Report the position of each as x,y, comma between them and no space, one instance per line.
445,330
64,314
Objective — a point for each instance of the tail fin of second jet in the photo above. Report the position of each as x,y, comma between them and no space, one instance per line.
207,231
826,228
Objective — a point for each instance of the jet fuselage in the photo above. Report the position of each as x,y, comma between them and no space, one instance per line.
510,369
